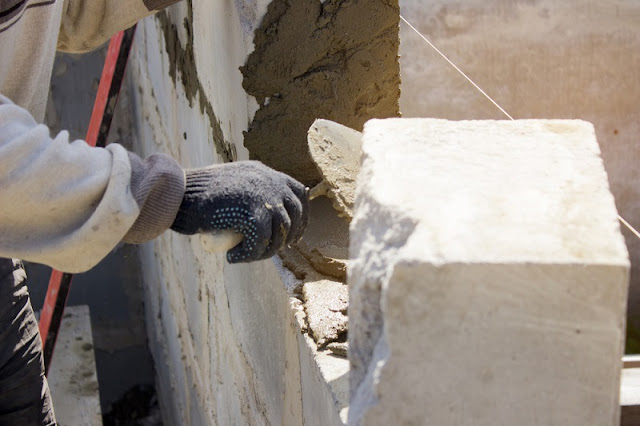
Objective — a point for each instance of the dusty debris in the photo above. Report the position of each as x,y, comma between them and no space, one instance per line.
324,248
138,406
326,304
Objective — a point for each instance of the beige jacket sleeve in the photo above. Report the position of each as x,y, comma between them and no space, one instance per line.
67,205
87,24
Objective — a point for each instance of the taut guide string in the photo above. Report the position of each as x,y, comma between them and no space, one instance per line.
620,218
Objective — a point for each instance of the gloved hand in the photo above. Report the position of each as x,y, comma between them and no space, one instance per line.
268,207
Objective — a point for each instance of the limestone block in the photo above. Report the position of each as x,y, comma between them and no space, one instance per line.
488,276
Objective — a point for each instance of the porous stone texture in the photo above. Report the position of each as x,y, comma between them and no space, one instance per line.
488,276
538,59
326,305
333,59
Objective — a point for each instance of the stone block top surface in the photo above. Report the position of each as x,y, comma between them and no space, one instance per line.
548,201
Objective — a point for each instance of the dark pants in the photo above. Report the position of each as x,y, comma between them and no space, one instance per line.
24,393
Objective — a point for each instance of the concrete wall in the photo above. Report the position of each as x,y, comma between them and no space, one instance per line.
537,59
229,342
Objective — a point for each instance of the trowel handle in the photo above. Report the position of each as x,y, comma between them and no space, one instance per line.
220,241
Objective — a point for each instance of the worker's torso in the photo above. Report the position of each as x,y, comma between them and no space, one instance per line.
28,36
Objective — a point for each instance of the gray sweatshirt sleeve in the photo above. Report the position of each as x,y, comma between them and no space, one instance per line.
67,205
86,24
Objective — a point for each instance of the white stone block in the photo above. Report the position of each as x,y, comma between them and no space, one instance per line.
488,276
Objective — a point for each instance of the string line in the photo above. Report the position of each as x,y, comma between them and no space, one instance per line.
457,69
620,218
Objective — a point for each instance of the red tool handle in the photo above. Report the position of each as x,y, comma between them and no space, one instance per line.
101,117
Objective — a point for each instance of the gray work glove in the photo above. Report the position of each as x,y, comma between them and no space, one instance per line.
268,207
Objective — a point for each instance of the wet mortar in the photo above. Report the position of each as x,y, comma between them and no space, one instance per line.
336,59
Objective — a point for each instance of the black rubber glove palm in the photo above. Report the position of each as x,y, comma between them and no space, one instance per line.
268,207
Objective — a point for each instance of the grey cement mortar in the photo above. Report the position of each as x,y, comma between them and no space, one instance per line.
182,67
336,59
326,304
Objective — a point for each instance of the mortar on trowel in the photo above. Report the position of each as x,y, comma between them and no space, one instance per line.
335,150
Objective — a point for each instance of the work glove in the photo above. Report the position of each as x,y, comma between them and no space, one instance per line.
269,208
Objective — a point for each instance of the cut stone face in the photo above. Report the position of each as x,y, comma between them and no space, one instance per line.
487,276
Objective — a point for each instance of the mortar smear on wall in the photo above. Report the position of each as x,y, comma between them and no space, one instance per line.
336,59
182,60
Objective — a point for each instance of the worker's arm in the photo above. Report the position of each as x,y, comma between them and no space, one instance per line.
87,24
66,204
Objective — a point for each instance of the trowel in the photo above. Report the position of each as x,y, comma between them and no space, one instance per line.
336,151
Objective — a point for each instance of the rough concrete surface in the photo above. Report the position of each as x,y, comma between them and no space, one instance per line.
336,59
630,397
227,340
488,276
325,385
538,59
182,60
